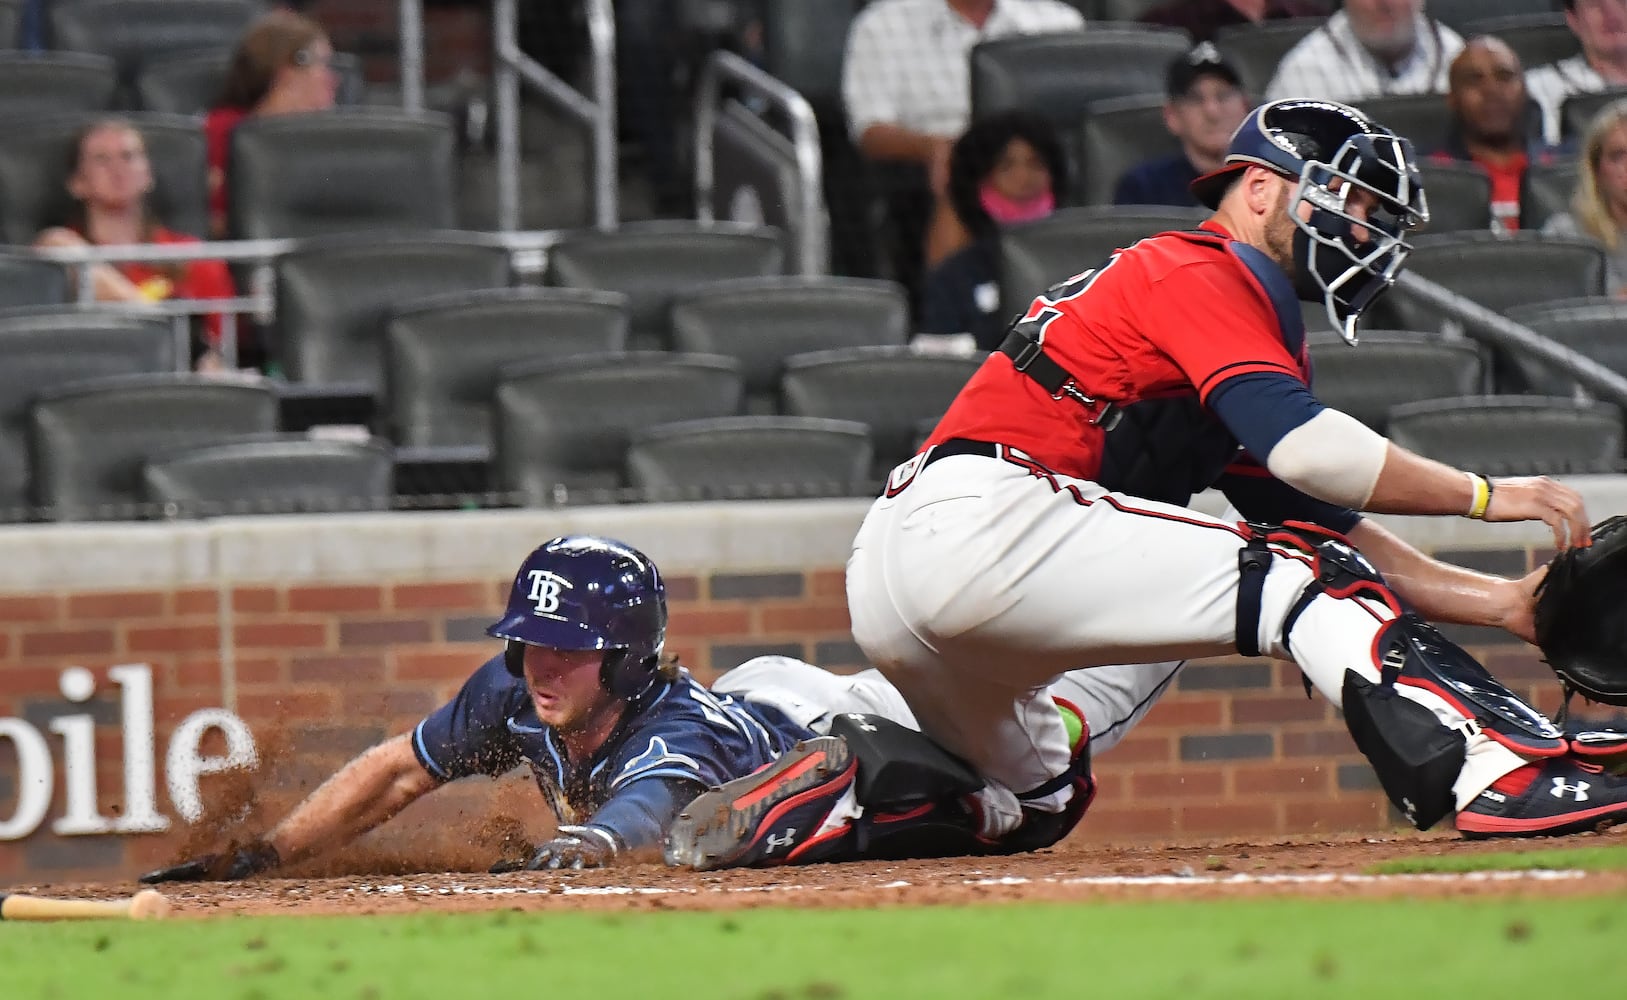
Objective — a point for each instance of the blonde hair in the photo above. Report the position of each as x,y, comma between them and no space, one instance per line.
274,41
1587,205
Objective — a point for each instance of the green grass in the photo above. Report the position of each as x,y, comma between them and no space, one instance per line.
1588,859
1254,949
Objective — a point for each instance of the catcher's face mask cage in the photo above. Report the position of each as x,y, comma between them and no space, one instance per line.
1351,273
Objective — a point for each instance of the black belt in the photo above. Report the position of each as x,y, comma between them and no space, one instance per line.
1028,356
962,446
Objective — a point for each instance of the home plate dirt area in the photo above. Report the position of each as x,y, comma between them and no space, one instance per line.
1322,867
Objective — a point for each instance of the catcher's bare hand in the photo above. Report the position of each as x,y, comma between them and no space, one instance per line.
1519,614
1538,498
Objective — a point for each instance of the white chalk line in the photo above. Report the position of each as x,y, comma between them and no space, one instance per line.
1086,881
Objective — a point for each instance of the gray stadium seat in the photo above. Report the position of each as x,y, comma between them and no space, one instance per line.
1116,135
803,45
1459,197
11,24
652,262
134,31
1499,273
1593,327
1122,10
1545,191
90,440
190,83
1423,118
34,160
1460,14
889,389
1512,435
1256,49
280,475
43,350
1538,38
27,281
762,321
1060,74
562,427
445,353
342,171
1037,255
55,82
1392,367
335,295
1576,114
758,457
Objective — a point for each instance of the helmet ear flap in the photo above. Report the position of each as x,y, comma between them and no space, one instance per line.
625,674
514,657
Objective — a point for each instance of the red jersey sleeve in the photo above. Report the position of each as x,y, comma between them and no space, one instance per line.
1214,322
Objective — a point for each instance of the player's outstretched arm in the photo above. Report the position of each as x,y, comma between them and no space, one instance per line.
364,793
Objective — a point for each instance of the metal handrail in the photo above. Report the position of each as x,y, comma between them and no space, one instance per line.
1485,324
411,17
809,225
597,112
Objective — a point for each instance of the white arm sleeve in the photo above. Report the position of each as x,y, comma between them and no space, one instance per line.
1332,457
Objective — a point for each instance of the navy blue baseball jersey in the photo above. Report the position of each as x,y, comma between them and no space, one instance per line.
677,741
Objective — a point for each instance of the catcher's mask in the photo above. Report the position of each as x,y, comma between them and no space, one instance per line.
578,592
1333,150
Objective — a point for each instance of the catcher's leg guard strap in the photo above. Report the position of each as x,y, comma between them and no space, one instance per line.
1253,562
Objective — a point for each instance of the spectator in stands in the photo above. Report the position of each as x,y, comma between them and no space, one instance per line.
1601,27
110,179
1203,106
1004,170
1371,48
284,65
1492,123
906,86
1599,207
1203,18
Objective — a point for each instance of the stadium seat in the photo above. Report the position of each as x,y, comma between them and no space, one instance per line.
1499,273
342,171
1256,49
762,321
1120,10
1060,74
280,475
562,427
1538,39
1117,134
92,439
1423,118
889,389
1512,435
653,262
1459,15
34,161
43,350
27,281
11,24
46,83
335,295
1576,114
1037,255
189,83
1392,367
1545,191
1593,327
804,42
757,457
131,32
444,353
1459,197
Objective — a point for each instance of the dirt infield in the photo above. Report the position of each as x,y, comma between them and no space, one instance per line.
1300,867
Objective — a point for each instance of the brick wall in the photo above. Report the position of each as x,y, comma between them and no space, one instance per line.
321,671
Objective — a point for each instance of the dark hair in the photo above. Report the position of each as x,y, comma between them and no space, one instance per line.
274,41
976,154
79,219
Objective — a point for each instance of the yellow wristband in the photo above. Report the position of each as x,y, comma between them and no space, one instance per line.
1482,496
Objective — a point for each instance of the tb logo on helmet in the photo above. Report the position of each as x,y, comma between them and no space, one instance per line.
545,590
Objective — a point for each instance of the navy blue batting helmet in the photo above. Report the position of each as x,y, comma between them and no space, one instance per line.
579,592
1332,150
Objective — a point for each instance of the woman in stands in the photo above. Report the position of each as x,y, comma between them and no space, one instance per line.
1599,207
284,65
1004,170
110,180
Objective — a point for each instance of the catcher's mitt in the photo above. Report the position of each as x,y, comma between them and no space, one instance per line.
1580,621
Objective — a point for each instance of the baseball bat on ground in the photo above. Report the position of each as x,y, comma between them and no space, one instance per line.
148,904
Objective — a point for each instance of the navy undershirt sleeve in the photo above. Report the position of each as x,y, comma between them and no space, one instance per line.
640,812
1260,408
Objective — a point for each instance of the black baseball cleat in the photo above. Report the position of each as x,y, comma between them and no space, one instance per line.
1547,798
776,816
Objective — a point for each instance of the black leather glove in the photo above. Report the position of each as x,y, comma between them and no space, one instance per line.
574,847
227,866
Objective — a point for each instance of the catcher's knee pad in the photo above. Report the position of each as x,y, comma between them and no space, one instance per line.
1338,571
1417,755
